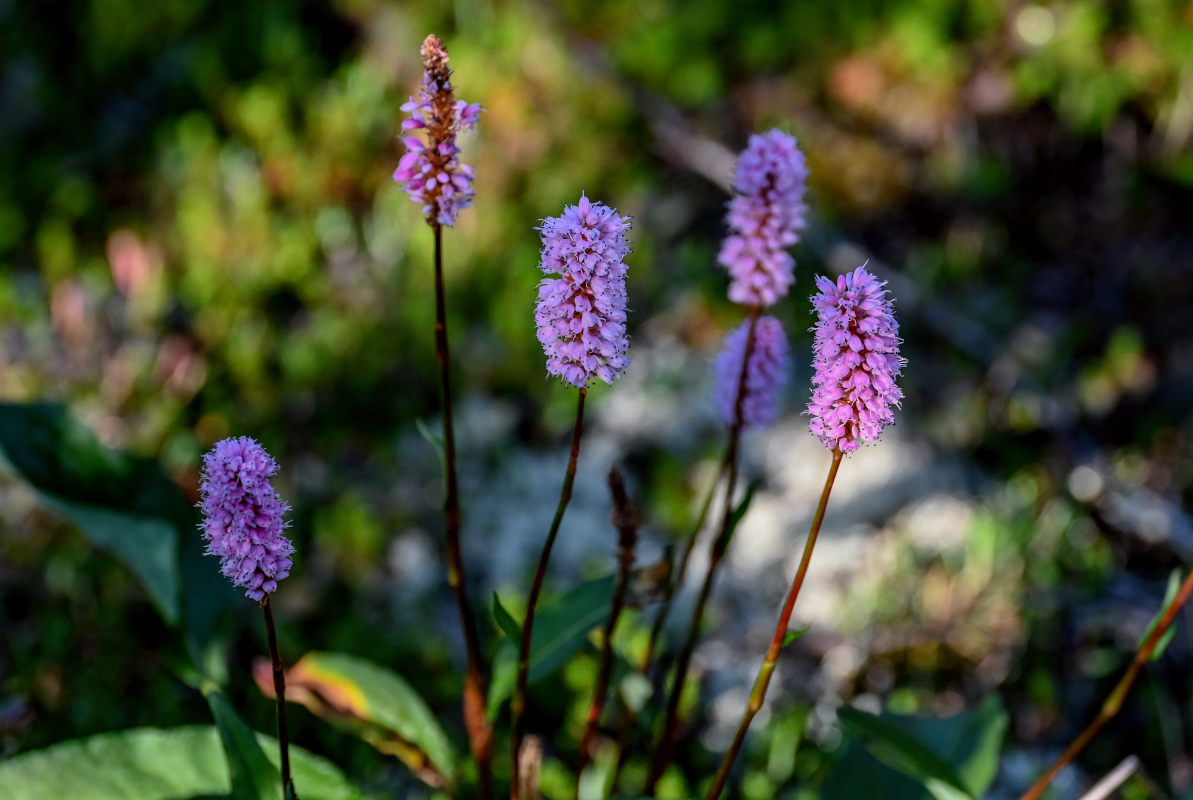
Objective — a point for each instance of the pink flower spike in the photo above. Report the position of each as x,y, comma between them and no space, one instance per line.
765,217
856,359
765,374
243,516
436,179
581,315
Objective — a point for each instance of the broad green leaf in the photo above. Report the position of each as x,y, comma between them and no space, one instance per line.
1174,585
857,774
375,703
505,674
970,742
253,777
108,496
153,764
505,621
562,626
890,757
147,545
124,504
892,746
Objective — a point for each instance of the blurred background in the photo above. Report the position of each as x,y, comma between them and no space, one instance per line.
199,237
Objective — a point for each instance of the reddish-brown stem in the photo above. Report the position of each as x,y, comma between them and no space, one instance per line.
716,554
631,716
626,521
279,690
480,733
518,702
681,568
1115,700
776,645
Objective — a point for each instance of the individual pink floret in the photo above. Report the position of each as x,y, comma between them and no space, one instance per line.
856,359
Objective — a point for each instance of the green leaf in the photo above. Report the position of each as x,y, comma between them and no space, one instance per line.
113,499
891,745
1174,585
888,759
505,674
373,702
433,439
793,635
147,545
561,628
505,621
739,512
635,690
126,505
153,764
253,777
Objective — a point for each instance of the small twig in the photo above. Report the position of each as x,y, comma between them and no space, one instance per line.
518,703
480,733
1113,779
717,550
1115,701
625,519
776,644
279,689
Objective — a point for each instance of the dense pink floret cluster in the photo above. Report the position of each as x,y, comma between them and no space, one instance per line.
764,377
581,315
243,517
765,217
856,360
431,171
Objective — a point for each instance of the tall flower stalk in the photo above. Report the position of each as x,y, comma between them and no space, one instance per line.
581,321
433,176
749,376
856,356
764,217
243,523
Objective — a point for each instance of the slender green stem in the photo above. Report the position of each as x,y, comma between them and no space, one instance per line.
717,550
279,690
480,733
1115,701
626,521
776,644
518,703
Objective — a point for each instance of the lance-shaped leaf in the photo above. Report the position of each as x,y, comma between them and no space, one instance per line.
105,494
123,504
253,777
154,764
374,703
913,758
561,628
